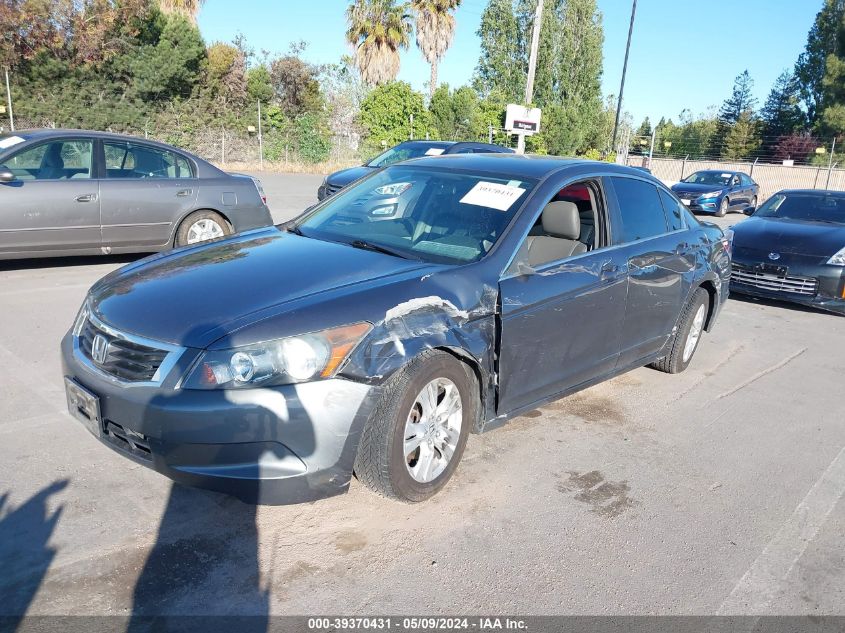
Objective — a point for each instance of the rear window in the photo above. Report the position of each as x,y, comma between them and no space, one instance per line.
641,210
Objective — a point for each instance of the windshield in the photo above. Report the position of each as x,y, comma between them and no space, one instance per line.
430,214
404,152
804,206
708,178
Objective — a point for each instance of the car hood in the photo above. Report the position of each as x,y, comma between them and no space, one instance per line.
819,239
688,187
196,295
345,176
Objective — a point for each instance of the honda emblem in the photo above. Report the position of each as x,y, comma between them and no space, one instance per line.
99,349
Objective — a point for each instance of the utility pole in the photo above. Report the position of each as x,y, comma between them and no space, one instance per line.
532,66
624,70
651,148
830,163
260,140
9,99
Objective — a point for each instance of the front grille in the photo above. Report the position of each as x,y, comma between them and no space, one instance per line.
791,284
124,359
332,189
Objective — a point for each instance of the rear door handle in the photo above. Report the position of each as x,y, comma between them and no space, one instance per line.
88,197
609,270
183,193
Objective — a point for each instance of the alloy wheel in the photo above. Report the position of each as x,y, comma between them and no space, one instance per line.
694,333
203,230
432,430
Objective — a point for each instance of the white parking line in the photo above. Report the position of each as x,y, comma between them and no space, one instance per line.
757,590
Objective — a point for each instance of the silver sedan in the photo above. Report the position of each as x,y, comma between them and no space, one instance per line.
72,192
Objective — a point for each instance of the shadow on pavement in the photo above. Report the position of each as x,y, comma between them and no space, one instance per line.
67,262
25,554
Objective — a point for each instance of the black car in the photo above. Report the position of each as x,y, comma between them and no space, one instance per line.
793,248
717,191
404,151
351,341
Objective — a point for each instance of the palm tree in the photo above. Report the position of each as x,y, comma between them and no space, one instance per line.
189,8
435,28
378,29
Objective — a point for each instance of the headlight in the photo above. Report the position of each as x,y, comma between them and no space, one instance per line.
393,189
838,259
283,361
712,194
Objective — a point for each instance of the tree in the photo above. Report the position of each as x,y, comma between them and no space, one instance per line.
811,64
741,100
259,84
456,115
295,83
500,68
435,29
378,29
799,147
386,114
226,78
833,87
782,114
644,129
743,139
186,8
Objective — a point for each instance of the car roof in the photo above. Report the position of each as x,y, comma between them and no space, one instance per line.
490,147
422,143
57,133
717,171
521,165
818,192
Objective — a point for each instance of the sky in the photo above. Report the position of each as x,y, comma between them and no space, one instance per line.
684,53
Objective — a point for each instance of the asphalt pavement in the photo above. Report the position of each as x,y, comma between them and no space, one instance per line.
719,490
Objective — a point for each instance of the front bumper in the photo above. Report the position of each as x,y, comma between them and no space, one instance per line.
274,445
710,205
830,280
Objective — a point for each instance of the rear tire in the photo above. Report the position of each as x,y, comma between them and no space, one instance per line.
723,208
201,226
685,342
384,463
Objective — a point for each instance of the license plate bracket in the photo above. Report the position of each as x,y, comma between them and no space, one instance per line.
772,269
84,406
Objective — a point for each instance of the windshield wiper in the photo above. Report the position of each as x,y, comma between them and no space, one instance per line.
369,246
293,228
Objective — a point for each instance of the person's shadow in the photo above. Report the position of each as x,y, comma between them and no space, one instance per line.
204,561
24,554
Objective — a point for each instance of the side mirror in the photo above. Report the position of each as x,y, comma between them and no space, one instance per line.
6,174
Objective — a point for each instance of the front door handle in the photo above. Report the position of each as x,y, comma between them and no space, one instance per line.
183,193
88,197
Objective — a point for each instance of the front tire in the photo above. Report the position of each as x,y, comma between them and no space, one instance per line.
685,342
201,226
753,205
723,208
416,435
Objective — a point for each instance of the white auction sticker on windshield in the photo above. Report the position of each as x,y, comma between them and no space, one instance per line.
10,142
493,195
726,175
434,151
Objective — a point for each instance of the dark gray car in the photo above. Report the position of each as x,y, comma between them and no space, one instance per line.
354,340
74,192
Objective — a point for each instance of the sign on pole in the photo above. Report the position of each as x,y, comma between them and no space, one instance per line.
522,120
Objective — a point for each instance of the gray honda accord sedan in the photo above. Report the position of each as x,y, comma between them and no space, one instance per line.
73,192
367,339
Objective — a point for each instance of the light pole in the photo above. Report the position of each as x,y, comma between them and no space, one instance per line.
624,70
532,67
9,99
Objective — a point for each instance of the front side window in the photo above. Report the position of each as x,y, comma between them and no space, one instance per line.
132,160
640,208
57,160
421,213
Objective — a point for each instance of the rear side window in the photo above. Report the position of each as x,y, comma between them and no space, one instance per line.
674,211
131,160
641,210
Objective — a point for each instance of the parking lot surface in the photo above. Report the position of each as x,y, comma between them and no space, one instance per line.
719,490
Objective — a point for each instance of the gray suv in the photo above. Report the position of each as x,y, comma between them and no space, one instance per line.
72,192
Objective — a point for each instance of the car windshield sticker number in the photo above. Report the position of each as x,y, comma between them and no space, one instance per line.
10,142
493,195
726,175
434,151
